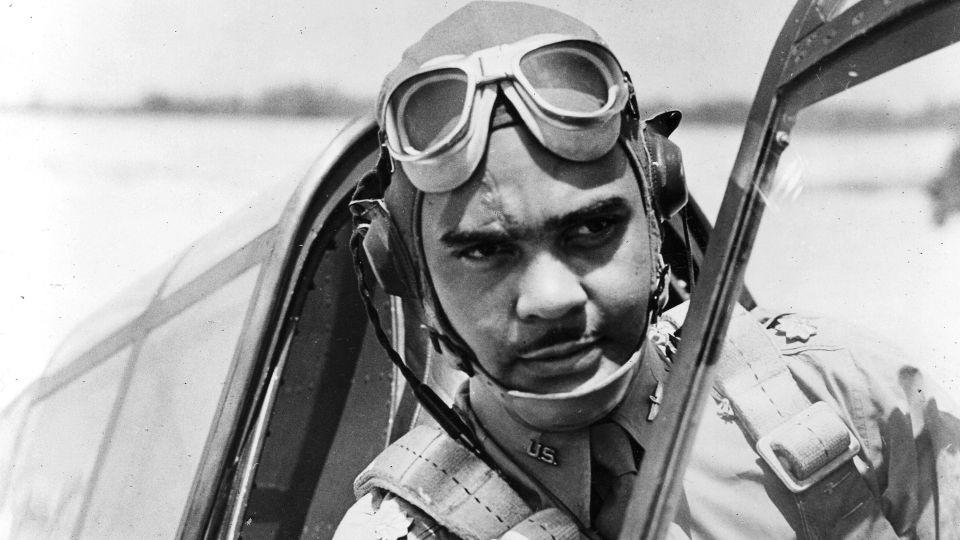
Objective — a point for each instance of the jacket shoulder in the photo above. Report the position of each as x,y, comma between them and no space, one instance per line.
848,356
436,488
444,480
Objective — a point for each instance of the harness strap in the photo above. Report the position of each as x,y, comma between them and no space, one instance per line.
550,523
457,489
807,445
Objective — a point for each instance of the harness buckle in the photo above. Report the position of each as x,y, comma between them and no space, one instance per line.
808,447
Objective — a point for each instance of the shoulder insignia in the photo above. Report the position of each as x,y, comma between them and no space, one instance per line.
390,522
665,340
656,399
795,329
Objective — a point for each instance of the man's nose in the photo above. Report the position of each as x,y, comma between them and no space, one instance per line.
548,289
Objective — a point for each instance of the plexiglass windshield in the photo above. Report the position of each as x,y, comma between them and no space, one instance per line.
863,220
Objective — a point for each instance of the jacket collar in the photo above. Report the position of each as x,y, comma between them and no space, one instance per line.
558,462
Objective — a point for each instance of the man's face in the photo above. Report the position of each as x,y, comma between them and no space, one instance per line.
542,265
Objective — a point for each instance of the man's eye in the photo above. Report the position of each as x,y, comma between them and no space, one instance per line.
592,232
482,252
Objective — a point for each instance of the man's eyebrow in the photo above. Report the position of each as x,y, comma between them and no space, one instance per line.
459,237
611,205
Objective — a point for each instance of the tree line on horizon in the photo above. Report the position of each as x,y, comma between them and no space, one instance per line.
305,100
293,100
734,112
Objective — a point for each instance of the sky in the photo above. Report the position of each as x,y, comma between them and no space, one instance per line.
115,51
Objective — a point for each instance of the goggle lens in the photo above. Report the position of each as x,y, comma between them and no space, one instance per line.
429,107
575,78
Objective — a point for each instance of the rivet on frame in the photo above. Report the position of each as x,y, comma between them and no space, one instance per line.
782,138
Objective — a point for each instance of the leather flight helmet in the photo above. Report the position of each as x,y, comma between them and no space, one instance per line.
387,207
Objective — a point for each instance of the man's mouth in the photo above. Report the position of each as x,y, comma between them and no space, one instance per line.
560,349
578,358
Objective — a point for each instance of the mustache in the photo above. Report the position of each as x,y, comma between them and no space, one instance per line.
559,335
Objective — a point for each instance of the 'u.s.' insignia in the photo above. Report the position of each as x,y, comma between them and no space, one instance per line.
544,453
795,329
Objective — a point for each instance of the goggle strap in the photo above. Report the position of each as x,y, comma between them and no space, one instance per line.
367,190
445,416
373,184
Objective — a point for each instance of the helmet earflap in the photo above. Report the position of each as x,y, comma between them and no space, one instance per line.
385,253
668,181
387,256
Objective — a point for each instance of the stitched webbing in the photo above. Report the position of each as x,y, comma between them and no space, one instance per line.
550,524
458,490
755,378
810,440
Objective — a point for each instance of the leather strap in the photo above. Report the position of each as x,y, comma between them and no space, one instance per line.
812,438
550,524
457,489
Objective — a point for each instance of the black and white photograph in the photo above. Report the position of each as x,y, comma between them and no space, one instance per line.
480,269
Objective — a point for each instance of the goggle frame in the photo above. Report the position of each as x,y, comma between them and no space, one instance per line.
498,65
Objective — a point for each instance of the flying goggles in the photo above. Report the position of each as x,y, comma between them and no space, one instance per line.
569,93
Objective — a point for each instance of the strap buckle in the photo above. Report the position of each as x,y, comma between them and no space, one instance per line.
801,438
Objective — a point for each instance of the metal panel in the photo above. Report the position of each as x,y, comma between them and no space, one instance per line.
322,193
852,24
330,415
921,30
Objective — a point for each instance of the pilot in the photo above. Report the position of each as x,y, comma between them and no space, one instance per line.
518,203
